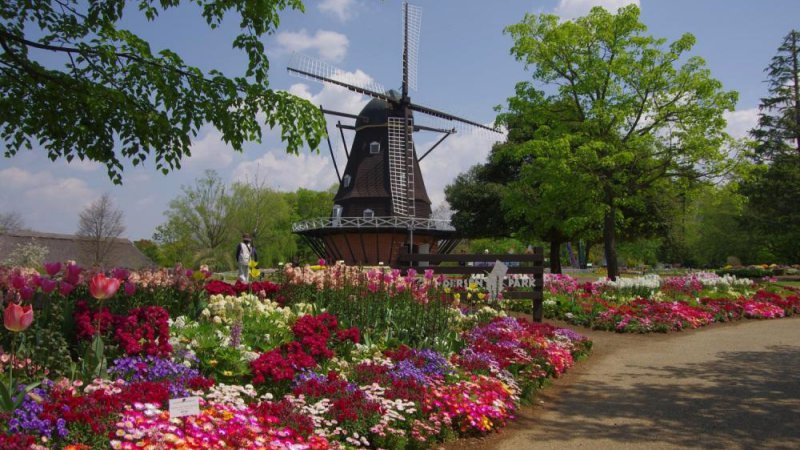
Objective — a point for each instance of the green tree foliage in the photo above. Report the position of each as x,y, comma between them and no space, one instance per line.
74,82
778,129
198,223
639,111
307,204
772,213
207,220
267,215
150,249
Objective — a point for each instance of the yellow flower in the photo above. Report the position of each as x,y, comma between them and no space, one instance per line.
481,295
457,296
473,286
213,363
447,290
252,264
255,273
227,373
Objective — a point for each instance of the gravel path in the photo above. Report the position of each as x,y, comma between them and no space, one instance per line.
731,386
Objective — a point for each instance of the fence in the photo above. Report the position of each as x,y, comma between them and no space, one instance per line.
524,264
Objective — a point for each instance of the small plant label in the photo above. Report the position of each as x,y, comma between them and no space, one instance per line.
186,406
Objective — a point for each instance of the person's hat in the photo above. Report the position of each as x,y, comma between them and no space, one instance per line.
246,237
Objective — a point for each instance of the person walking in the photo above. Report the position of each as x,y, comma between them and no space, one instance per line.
245,252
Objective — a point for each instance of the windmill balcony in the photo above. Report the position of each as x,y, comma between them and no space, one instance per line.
390,222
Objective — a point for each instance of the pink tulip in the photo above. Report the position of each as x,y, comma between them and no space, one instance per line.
17,318
102,287
52,268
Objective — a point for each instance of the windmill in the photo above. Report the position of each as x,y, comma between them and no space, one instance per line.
381,206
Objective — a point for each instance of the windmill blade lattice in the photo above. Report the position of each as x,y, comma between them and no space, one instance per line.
401,166
304,66
412,26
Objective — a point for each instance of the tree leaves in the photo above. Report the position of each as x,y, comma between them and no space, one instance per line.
115,101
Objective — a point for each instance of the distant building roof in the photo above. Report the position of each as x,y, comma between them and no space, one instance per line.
63,247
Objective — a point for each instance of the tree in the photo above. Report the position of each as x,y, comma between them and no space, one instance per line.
307,204
640,112
266,214
11,221
149,249
771,213
101,224
76,83
778,129
198,223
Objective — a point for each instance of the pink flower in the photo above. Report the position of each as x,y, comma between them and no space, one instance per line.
17,318
102,287
52,268
321,262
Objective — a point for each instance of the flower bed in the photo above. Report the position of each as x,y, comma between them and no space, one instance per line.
648,304
330,358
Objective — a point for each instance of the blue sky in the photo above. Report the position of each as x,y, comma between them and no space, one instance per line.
464,68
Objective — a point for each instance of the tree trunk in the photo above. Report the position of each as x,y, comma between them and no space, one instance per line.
609,240
555,256
587,248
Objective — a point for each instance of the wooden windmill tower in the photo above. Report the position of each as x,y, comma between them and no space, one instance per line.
381,207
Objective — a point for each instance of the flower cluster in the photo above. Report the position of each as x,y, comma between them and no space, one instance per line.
144,331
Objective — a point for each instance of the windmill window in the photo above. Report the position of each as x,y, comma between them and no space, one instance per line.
369,214
346,181
374,148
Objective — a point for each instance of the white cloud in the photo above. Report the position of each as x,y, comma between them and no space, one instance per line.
343,9
741,122
47,202
286,172
329,45
570,9
452,157
210,151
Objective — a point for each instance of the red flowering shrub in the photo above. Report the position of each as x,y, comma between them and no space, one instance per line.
87,321
300,423
349,402
144,331
281,364
15,441
218,287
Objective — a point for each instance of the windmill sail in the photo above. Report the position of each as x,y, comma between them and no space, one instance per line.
401,166
412,24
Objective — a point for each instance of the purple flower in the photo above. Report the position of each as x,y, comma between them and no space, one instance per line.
130,288
152,368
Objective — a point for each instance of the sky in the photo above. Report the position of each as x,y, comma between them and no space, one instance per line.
464,68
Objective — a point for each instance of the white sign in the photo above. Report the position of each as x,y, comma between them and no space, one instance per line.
494,282
186,406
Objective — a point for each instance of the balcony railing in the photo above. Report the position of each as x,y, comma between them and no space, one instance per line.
416,223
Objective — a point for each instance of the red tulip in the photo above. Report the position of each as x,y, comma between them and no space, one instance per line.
102,287
17,318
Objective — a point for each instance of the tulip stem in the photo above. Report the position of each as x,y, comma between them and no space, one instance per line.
13,361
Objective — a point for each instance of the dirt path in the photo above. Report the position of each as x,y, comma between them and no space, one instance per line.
726,386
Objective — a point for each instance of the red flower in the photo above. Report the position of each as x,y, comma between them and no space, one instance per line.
17,318
102,287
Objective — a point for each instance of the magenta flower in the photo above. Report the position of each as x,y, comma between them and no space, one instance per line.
26,293
73,274
65,288
48,285
17,281
129,288
52,268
